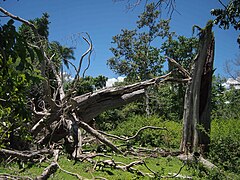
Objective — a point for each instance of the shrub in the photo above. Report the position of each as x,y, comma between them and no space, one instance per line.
150,137
225,144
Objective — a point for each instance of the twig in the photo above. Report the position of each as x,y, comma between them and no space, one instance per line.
84,157
71,173
175,175
222,4
75,68
144,163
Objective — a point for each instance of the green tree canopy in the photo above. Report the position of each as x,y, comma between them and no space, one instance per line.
228,16
135,55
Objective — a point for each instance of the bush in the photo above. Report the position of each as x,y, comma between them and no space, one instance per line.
225,144
109,119
150,137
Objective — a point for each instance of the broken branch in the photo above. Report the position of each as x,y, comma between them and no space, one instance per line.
134,136
25,155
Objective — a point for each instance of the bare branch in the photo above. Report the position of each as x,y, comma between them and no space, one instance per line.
25,155
89,61
89,42
134,136
122,166
18,19
184,71
222,4
176,174
75,68
51,169
93,155
71,173
93,132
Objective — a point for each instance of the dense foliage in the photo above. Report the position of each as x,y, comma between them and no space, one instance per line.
17,75
21,78
169,138
225,144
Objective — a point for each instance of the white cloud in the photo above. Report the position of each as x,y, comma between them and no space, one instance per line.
110,82
67,77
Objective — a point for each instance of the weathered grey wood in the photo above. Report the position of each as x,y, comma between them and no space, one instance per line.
197,97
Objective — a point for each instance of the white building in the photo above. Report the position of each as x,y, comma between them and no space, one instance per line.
232,83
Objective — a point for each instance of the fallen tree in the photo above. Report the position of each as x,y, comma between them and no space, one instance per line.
63,114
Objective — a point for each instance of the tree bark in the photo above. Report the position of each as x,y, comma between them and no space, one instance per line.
196,117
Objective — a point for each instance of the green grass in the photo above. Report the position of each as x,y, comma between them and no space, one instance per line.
224,153
162,166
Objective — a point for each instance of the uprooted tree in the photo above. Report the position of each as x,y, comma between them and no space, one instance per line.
60,115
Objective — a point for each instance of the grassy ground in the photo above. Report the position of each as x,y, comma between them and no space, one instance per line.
224,152
162,166
85,169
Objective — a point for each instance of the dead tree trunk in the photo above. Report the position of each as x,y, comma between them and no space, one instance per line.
196,117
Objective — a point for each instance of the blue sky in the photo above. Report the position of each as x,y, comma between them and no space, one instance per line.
103,19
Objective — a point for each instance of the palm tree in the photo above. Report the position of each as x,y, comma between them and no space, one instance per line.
63,53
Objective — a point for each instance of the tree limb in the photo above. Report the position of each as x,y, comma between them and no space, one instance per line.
18,18
184,71
93,132
25,155
51,169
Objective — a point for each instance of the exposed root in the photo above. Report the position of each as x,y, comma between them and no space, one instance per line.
191,158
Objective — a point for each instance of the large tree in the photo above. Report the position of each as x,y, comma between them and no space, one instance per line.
135,55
